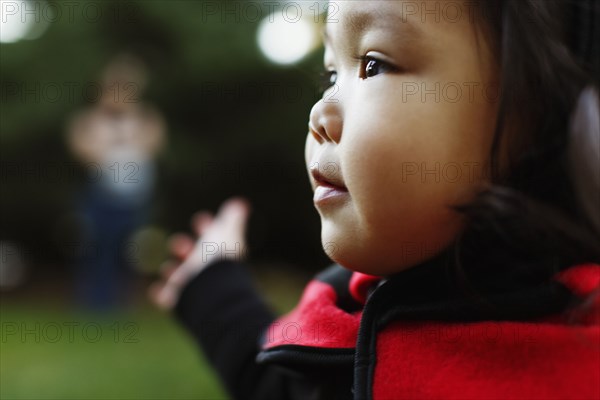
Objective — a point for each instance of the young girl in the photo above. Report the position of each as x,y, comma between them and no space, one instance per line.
455,162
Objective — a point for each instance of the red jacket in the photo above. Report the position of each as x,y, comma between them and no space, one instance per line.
403,349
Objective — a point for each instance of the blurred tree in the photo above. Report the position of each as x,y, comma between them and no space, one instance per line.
237,123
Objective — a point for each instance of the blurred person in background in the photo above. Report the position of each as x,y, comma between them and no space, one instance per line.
117,140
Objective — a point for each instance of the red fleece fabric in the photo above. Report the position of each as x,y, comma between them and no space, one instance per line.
360,284
316,321
487,360
494,360
483,360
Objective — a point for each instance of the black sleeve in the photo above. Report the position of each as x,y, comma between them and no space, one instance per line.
226,316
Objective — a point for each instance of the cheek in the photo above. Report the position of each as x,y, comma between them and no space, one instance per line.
405,169
417,149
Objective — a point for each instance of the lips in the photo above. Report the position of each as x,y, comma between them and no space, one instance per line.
328,177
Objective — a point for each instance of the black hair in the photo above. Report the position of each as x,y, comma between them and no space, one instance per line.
541,214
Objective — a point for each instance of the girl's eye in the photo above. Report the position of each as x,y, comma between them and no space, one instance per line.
328,79
371,67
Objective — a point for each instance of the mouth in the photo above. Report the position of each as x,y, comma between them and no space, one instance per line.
328,181
328,187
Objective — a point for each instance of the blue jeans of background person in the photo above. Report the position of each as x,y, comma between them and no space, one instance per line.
105,265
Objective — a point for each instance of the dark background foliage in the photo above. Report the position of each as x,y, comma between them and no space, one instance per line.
236,123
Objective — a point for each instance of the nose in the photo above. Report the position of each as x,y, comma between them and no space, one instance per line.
326,122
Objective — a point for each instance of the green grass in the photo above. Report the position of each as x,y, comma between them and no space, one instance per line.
47,351
139,354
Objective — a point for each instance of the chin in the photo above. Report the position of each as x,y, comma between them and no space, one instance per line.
374,256
351,252
373,265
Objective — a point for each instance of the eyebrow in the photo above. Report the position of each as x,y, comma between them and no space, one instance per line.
360,22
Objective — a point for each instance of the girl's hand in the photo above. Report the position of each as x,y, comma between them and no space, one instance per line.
218,237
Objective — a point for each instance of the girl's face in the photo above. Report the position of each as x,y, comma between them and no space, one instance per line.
404,132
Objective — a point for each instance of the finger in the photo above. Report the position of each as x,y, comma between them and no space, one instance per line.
155,295
238,203
179,277
234,211
167,268
163,295
201,221
181,245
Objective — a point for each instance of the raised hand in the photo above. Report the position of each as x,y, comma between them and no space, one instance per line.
217,237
